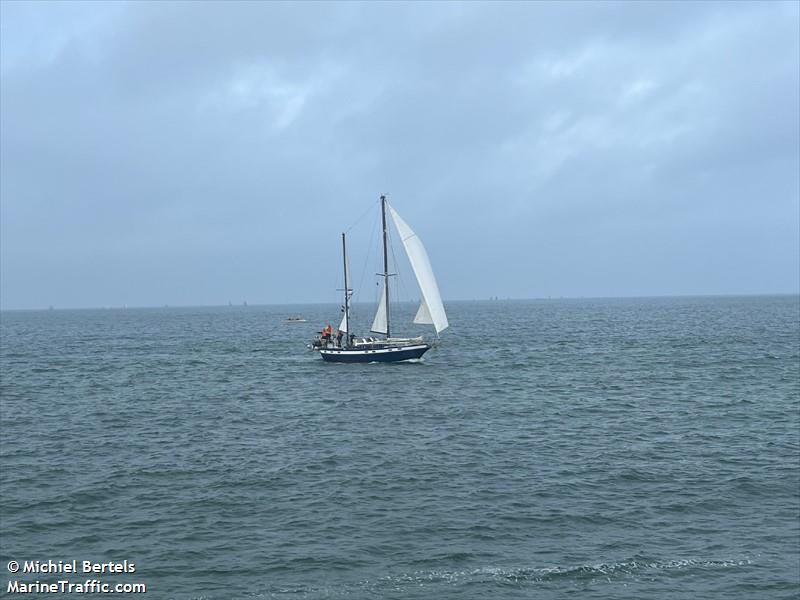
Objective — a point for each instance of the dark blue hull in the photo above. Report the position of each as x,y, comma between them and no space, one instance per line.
388,354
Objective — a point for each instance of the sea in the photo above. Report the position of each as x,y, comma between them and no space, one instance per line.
586,448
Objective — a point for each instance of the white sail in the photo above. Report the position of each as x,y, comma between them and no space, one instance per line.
423,316
379,323
418,257
343,324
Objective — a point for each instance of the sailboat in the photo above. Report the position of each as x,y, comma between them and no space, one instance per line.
347,347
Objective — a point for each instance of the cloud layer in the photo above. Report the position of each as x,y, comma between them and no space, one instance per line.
189,153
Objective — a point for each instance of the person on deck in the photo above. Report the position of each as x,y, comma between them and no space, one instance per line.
339,335
326,333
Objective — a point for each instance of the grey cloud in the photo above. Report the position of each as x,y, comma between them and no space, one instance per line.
150,150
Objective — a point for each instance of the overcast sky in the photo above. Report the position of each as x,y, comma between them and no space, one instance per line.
179,153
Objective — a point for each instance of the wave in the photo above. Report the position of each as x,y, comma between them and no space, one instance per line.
544,574
503,577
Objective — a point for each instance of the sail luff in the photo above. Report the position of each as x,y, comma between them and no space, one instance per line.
421,264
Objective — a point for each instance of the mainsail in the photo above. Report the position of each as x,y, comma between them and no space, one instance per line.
431,309
379,323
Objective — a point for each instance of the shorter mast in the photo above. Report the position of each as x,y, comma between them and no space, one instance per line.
346,295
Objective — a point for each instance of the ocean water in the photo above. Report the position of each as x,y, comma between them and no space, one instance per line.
631,448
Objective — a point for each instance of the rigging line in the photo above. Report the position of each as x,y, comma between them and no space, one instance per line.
401,285
400,289
358,220
336,281
366,260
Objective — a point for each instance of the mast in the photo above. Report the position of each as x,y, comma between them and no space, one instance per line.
385,264
346,294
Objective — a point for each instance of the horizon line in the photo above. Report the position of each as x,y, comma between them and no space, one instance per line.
489,299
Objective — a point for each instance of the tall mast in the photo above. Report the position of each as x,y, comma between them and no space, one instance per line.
346,294
385,264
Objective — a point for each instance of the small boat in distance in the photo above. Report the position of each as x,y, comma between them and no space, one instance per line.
347,347
296,320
